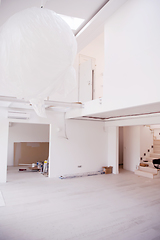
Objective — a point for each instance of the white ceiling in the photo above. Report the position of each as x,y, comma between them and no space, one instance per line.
84,9
95,13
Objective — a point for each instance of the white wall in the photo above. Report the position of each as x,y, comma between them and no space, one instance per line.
3,149
146,141
25,132
96,50
132,54
85,146
131,153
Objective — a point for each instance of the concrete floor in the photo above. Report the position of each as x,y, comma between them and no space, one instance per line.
123,207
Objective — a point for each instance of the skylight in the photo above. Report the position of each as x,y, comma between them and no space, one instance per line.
73,22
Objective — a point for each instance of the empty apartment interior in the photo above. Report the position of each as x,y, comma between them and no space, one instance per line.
117,68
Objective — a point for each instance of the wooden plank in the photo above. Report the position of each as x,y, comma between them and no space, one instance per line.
30,152
148,169
155,155
144,174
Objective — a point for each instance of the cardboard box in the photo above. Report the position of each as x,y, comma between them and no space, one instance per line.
107,170
143,165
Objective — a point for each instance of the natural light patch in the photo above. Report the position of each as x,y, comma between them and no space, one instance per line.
73,22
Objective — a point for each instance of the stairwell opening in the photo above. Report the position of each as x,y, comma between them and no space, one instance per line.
141,144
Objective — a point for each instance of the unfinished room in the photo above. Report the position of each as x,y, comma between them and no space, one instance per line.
28,147
79,119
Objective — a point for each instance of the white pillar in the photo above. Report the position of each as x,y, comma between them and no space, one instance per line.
50,150
113,148
4,126
52,158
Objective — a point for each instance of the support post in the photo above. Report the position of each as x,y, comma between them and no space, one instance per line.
4,126
113,148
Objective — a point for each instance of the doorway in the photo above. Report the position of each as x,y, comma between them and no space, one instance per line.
86,78
28,144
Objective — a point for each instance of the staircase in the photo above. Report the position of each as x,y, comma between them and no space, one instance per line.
150,171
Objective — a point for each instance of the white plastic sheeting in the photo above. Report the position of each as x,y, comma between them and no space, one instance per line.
37,51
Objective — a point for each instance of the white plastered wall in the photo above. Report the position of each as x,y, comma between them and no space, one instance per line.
85,147
132,54
25,132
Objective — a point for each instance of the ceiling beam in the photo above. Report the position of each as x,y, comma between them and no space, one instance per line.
48,103
95,26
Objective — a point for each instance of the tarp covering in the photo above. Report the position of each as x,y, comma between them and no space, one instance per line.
37,51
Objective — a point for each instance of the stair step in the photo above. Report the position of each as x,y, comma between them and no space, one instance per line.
149,159
157,175
150,164
156,146
155,155
146,174
156,142
149,169
156,151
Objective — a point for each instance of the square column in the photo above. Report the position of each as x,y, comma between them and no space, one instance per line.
4,126
113,148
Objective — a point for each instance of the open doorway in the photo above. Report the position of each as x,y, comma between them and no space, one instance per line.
138,146
86,78
28,148
93,52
